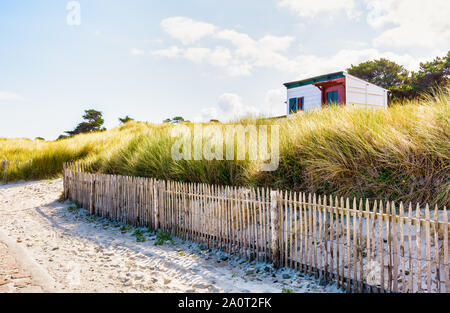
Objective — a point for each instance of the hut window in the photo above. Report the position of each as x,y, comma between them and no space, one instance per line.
332,97
292,105
300,104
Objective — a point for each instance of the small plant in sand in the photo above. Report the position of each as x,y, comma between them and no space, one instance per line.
181,253
91,219
162,238
125,228
287,290
149,230
72,208
140,235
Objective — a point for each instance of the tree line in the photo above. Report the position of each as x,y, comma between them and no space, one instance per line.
92,122
401,83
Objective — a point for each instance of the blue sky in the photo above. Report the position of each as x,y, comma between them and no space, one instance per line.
200,59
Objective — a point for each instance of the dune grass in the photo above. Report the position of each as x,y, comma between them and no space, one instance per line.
400,154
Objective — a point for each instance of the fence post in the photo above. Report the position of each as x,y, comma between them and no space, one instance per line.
4,165
65,180
92,195
275,225
156,190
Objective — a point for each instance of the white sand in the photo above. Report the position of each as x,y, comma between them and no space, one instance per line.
88,254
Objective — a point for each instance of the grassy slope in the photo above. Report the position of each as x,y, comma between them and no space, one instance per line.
399,154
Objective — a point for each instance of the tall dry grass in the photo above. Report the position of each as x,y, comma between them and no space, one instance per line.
398,154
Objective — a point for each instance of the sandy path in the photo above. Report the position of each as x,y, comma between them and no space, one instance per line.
88,254
13,278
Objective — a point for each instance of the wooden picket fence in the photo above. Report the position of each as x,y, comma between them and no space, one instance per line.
360,246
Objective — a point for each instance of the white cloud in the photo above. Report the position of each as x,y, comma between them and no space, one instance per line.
136,51
258,53
231,104
246,43
311,65
207,115
196,55
244,54
313,8
243,60
9,96
229,107
218,57
241,69
274,104
171,52
402,23
247,53
410,22
187,30
274,43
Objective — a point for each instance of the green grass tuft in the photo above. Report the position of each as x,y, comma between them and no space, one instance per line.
140,235
162,238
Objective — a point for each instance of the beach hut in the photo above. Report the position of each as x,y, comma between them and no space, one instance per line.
338,88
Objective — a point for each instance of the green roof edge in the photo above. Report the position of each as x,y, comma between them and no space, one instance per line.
314,80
